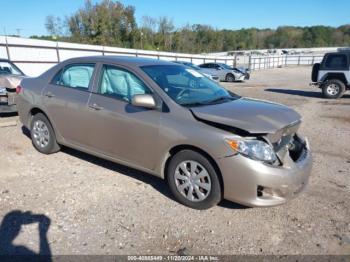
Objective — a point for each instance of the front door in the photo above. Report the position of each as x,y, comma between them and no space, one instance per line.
119,129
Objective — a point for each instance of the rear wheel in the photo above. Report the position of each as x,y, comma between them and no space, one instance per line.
333,89
193,180
230,78
42,134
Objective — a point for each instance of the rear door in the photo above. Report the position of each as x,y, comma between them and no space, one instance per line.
65,101
119,129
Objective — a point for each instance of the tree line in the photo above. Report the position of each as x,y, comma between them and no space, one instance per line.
114,24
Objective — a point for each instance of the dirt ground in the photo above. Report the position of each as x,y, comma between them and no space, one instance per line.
79,204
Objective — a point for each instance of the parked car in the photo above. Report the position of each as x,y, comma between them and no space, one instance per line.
225,72
197,68
170,121
332,75
10,77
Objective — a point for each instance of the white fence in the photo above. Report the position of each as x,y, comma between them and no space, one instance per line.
36,56
267,62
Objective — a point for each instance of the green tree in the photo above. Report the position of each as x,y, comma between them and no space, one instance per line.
112,23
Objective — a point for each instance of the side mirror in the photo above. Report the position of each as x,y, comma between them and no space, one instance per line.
219,68
146,101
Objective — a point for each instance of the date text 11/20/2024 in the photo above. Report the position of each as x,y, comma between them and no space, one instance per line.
173,258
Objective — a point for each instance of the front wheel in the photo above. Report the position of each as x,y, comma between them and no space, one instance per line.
230,78
333,89
193,180
42,134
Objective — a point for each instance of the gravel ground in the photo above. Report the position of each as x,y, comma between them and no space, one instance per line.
85,205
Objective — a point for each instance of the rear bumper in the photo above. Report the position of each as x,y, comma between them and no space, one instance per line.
253,183
317,84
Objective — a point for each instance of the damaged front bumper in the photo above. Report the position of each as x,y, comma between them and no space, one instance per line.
257,184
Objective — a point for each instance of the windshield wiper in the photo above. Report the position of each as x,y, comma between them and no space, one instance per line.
214,101
193,104
219,99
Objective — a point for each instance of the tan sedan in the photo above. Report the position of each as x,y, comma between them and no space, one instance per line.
172,122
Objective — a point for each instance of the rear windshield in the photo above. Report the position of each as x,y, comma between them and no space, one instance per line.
7,68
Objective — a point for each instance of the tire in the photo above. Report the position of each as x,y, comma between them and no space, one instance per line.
333,89
208,185
42,134
230,78
314,74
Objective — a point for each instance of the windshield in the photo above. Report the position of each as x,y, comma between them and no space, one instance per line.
186,86
226,66
193,66
189,65
7,68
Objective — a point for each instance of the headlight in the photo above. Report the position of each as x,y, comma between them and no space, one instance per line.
254,149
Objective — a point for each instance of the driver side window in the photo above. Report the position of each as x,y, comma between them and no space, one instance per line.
121,84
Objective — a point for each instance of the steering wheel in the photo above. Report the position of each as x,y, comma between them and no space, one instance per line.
182,92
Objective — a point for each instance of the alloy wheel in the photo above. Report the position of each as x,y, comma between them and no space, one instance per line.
41,133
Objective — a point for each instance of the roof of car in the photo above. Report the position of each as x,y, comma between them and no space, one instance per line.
4,60
125,60
346,51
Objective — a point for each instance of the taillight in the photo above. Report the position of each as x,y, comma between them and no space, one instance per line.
18,89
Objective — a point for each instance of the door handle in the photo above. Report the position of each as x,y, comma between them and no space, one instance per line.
96,106
49,94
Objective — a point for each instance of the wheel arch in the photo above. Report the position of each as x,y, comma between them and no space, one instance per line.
338,76
230,74
35,110
175,149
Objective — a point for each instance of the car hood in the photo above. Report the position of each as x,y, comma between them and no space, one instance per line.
10,81
253,116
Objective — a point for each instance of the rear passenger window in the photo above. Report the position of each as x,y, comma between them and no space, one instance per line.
336,61
75,76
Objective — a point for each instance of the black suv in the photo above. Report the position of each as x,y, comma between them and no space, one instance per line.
332,75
